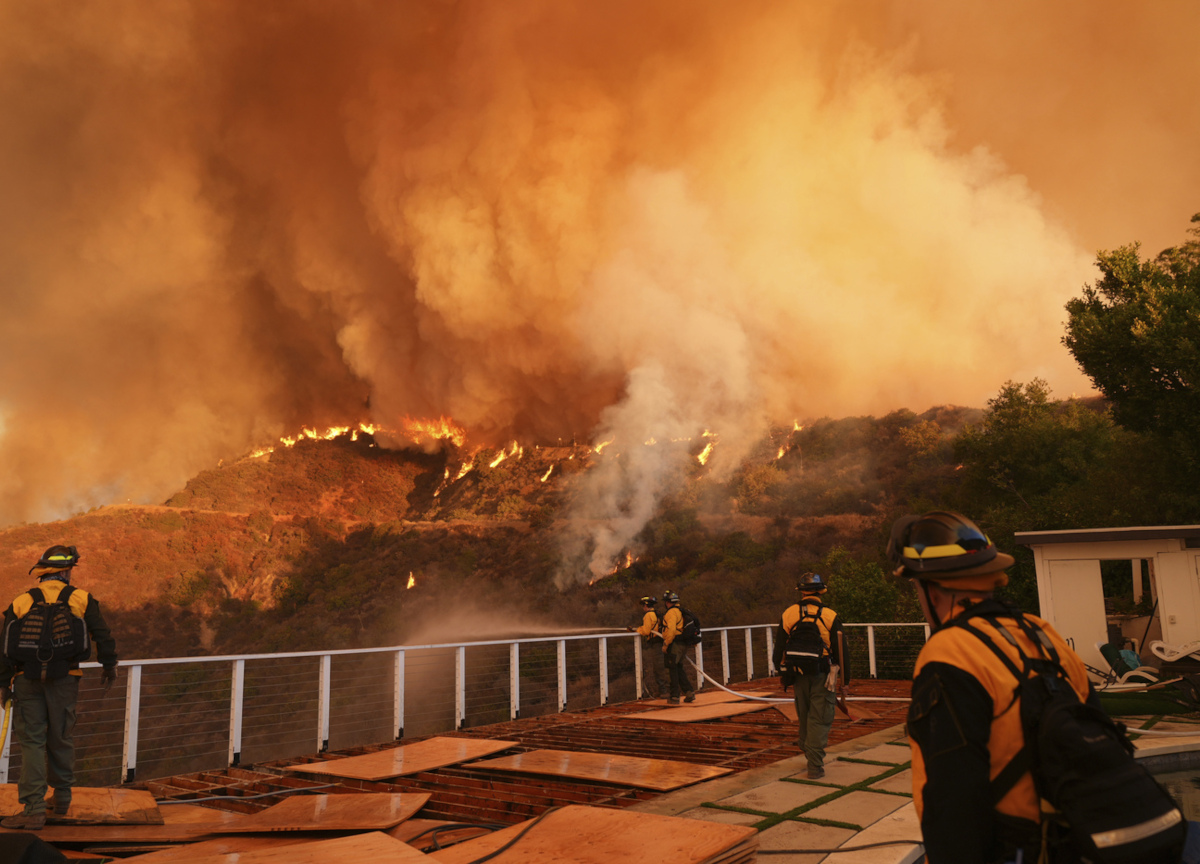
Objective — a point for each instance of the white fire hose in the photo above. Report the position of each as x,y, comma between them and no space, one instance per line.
708,678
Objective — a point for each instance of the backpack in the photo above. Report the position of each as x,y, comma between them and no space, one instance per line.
805,651
1082,763
48,639
690,635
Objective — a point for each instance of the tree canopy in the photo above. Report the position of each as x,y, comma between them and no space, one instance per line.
1136,334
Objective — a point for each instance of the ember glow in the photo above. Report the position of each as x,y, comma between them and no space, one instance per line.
609,222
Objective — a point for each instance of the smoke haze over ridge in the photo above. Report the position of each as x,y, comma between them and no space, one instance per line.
222,221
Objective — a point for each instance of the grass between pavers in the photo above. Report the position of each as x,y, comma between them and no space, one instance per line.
772,819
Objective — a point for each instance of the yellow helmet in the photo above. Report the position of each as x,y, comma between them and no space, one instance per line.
946,547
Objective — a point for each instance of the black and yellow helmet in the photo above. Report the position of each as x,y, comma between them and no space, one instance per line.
811,583
670,597
944,546
57,558
649,601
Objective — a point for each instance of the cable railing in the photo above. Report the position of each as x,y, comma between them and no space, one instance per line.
184,715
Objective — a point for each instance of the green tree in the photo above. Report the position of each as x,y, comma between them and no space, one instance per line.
1136,333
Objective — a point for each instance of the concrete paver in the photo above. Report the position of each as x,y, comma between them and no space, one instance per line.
858,808
901,824
801,835
896,754
776,797
725,817
841,773
901,782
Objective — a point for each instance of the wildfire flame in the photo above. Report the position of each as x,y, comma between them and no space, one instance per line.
623,563
442,429
546,476
315,435
599,448
462,472
779,455
515,450
412,581
706,452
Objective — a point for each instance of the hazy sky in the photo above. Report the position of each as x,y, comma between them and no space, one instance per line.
220,221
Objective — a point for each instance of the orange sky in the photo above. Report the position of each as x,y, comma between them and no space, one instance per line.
222,221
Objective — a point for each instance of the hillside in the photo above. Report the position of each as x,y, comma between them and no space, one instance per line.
315,545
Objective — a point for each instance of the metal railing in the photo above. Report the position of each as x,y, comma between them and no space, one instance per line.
187,714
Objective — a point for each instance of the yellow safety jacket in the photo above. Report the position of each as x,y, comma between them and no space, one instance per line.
672,625
946,718
649,624
82,605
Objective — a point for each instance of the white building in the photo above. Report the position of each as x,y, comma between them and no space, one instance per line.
1072,594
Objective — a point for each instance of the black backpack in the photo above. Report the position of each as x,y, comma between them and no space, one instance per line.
1082,763
805,651
690,635
49,639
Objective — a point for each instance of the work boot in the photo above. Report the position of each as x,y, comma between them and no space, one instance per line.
691,697
61,801
674,700
25,822
816,772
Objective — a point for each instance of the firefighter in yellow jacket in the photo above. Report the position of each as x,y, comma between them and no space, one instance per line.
674,651
44,689
815,670
965,717
652,656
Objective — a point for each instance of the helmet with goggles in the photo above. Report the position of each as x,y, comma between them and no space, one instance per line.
946,547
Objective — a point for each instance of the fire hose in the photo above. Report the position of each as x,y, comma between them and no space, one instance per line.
788,699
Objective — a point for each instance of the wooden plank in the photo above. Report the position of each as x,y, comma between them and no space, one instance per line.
598,835
662,775
374,847
190,814
695,713
124,833
708,697
223,846
91,806
409,759
367,811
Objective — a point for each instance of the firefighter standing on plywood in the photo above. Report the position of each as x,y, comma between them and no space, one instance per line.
48,632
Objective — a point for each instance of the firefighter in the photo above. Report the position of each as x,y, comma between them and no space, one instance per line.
674,651
44,694
965,717
653,668
809,648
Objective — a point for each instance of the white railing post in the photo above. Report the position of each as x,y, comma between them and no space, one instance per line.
771,670
699,666
133,705
724,656
926,632
323,703
237,696
749,655
398,683
638,667
603,670
871,648
562,675
514,680
460,686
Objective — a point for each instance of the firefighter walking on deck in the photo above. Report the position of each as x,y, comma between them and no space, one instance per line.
809,649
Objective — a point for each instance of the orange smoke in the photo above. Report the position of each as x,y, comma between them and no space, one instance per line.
223,222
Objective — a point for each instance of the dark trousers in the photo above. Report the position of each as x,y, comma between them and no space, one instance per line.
814,711
680,683
654,668
44,721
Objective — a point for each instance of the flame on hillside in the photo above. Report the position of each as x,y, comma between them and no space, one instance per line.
441,429
514,450
314,435
624,562
706,453
412,581
546,476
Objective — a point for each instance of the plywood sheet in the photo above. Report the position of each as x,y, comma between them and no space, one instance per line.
694,713
367,811
95,806
409,829
374,847
708,697
661,775
240,844
597,835
409,759
188,814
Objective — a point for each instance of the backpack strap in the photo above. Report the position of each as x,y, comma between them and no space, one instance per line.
64,596
37,595
1022,762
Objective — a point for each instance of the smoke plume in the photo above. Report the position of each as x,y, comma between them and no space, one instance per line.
223,221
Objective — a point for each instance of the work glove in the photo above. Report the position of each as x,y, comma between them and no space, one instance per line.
5,697
108,677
